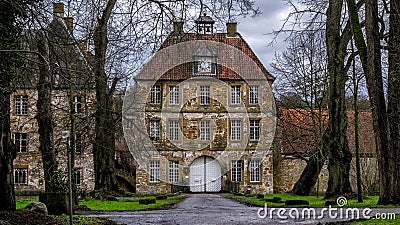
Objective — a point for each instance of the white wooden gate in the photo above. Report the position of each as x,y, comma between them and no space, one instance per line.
205,175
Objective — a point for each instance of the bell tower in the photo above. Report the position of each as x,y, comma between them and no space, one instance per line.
205,24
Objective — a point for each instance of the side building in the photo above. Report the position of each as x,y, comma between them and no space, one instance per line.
208,113
72,105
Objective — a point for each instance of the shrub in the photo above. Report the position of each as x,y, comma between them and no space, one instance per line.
146,201
296,202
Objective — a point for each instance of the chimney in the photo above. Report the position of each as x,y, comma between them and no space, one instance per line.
69,22
231,28
58,9
178,27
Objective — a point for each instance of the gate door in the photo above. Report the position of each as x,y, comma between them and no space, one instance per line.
205,175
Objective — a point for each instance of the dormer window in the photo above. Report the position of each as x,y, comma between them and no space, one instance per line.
204,62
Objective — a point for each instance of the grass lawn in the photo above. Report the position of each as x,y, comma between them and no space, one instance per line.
315,202
23,202
130,203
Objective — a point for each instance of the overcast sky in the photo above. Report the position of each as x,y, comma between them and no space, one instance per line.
255,30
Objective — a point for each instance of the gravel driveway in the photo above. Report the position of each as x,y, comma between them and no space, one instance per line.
214,209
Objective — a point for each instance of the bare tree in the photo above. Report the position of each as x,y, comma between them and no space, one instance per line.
302,70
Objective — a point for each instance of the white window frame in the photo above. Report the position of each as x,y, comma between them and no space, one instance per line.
173,172
174,95
21,141
253,94
204,95
77,177
236,170
254,171
235,94
154,169
155,129
21,105
77,104
254,130
155,94
236,130
78,144
174,130
205,130
20,176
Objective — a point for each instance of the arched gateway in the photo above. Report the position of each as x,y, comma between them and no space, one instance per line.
205,175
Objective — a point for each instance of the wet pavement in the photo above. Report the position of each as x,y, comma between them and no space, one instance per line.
215,209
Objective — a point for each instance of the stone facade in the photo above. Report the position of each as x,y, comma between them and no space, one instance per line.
72,105
188,116
29,156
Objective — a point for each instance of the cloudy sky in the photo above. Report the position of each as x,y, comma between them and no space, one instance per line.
255,30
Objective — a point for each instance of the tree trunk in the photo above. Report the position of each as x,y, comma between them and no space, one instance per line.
52,179
7,151
339,155
393,112
370,55
310,174
104,146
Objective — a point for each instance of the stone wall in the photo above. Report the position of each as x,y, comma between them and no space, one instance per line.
293,167
31,159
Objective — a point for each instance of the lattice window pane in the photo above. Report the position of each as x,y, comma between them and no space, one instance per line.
173,130
21,141
155,129
236,170
20,176
174,95
205,133
236,128
254,130
235,94
155,95
253,94
254,171
204,95
173,173
154,171
21,105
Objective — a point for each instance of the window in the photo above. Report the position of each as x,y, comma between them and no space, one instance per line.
173,130
21,105
204,95
155,129
154,171
254,170
155,94
254,130
236,170
235,94
174,95
77,104
253,94
77,177
78,144
236,127
173,175
21,141
20,176
205,130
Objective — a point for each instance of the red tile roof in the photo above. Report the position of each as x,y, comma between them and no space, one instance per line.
298,131
185,70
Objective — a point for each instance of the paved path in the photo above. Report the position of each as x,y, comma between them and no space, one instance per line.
214,209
